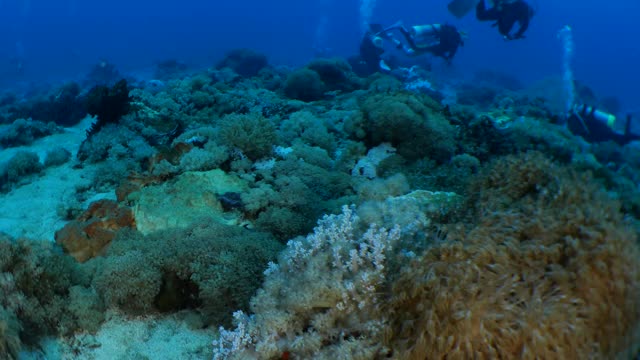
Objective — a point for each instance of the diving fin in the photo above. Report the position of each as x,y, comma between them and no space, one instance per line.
460,8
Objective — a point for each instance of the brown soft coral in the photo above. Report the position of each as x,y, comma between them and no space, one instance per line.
548,270
467,302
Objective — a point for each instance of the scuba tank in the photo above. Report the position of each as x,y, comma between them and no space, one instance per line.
425,30
425,35
590,111
598,126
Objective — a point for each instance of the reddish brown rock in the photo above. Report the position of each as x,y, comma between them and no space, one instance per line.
90,234
136,181
173,155
125,188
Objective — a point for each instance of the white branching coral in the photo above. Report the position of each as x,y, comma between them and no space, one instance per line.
230,342
321,299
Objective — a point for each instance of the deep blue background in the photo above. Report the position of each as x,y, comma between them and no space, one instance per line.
64,38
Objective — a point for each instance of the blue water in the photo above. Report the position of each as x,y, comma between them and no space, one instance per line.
248,152
63,39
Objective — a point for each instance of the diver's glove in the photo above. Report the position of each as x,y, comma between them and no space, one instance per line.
383,66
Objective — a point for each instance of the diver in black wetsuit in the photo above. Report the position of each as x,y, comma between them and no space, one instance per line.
598,126
506,13
371,50
439,40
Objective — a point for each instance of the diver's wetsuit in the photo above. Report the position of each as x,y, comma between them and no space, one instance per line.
449,39
584,124
506,15
370,54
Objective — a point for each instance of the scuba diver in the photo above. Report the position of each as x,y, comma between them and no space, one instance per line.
598,126
506,13
439,40
372,48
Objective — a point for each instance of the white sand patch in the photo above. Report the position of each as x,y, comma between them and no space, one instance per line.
122,337
70,139
32,210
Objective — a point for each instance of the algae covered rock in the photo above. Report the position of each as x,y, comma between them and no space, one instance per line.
413,212
93,230
190,197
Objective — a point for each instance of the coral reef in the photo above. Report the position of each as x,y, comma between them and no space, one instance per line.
10,343
342,271
104,73
481,96
170,69
525,277
304,84
495,78
56,157
306,127
458,220
42,293
296,189
208,267
64,106
336,74
22,166
88,235
411,123
245,62
189,197
252,134
319,78
108,104
24,132
529,277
